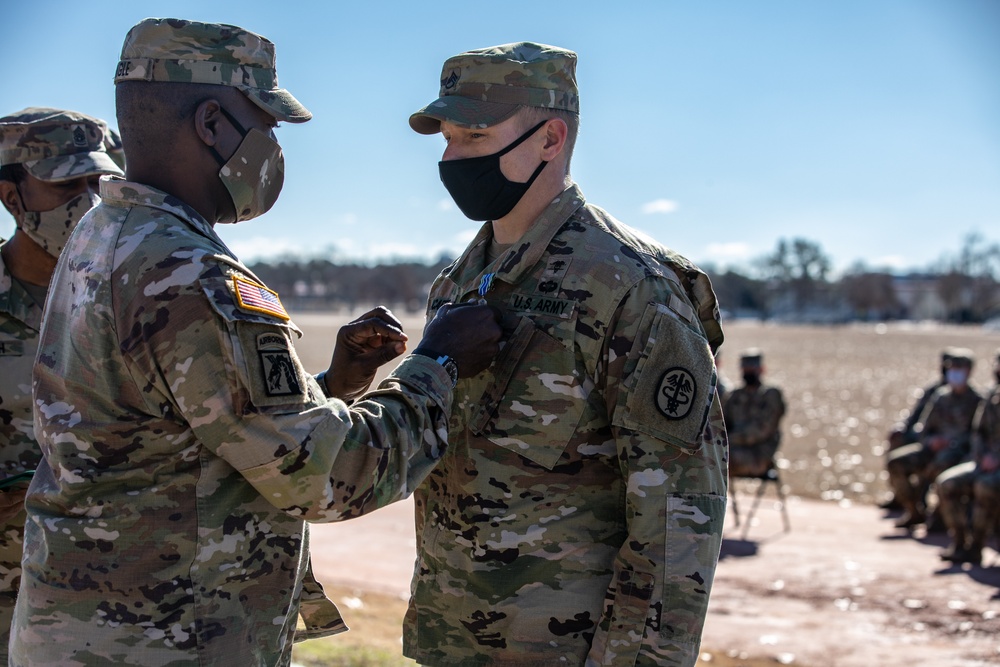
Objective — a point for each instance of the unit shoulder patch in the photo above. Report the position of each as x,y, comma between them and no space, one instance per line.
676,393
277,367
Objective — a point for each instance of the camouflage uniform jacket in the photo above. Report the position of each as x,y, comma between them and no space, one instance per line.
577,514
184,448
986,427
913,418
753,415
20,319
950,415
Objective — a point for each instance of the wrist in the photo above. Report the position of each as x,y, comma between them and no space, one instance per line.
444,360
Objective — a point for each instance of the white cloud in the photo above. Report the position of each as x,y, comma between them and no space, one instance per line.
465,237
659,206
891,262
263,247
445,204
348,219
728,251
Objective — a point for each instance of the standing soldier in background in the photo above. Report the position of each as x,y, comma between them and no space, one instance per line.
753,419
184,443
577,515
975,482
50,161
942,440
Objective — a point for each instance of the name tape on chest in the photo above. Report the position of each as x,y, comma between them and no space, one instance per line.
258,299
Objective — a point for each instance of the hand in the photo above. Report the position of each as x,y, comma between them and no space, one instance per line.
469,333
362,346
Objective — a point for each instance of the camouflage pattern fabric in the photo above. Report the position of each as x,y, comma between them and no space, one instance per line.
753,419
906,432
209,53
967,483
483,87
185,447
949,415
577,514
20,319
56,145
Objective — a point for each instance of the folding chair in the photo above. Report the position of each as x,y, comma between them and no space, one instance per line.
769,476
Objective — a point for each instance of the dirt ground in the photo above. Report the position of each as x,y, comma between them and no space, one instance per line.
842,588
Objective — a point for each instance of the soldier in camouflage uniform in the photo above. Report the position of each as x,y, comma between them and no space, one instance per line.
975,482
577,515
184,444
943,440
905,432
50,160
753,419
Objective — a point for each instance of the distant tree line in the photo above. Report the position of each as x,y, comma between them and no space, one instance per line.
790,283
793,283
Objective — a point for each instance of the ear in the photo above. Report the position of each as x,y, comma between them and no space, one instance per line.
11,199
207,117
555,138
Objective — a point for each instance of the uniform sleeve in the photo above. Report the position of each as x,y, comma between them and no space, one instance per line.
233,376
659,385
760,426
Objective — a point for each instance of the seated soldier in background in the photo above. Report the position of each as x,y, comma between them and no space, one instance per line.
976,482
942,440
905,432
753,415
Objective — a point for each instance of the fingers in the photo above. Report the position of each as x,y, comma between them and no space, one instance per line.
380,313
373,331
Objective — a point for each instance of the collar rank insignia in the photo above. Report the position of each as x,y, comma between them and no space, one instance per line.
258,299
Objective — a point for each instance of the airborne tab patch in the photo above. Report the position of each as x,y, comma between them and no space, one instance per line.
280,376
258,299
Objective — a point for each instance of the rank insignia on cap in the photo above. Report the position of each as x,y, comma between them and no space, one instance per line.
257,298
675,396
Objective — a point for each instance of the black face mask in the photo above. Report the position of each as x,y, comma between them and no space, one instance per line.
751,378
479,187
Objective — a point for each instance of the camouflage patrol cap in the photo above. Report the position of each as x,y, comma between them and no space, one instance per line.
212,53
55,145
484,87
751,357
113,144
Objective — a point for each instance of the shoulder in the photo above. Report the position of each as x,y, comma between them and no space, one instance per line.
615,259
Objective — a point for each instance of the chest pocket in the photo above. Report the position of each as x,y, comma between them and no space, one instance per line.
537,396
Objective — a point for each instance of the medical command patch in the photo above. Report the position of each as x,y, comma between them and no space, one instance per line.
676,393
257,298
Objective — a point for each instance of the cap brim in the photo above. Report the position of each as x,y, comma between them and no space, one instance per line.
461,111
279,103
67,167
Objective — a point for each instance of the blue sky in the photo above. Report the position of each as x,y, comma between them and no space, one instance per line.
869,126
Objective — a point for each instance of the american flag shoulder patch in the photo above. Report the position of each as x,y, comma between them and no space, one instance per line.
257,298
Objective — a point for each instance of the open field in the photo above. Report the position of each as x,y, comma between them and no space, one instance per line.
845,387
842,589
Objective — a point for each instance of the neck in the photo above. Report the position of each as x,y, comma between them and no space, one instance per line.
514,225
27,261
